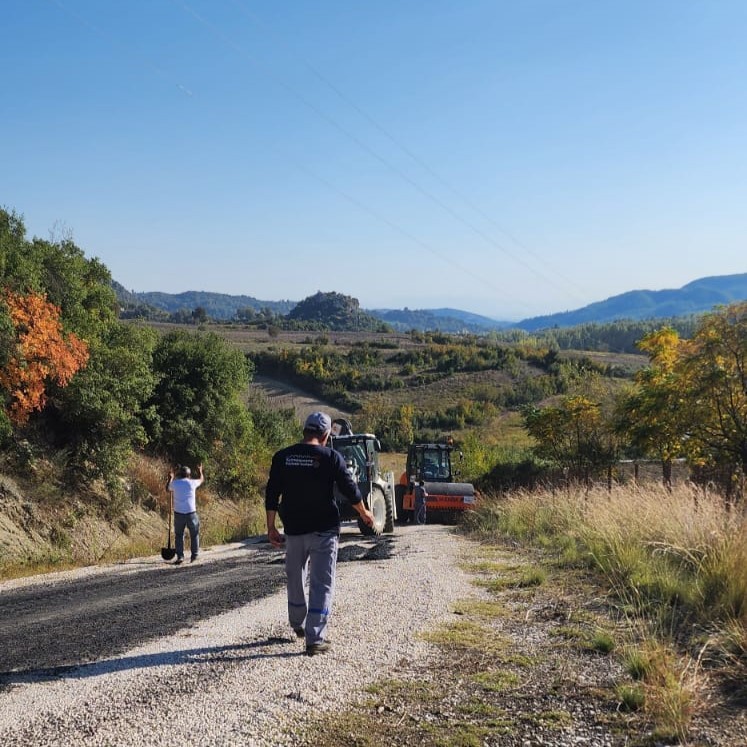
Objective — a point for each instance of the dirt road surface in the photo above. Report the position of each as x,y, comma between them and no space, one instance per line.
144,653
282,395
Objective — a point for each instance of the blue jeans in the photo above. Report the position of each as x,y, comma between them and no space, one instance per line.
191,522
311,557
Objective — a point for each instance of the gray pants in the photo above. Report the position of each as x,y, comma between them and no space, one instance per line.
313,558
191,522
420,509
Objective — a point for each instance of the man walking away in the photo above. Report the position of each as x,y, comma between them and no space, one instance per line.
184,496
301,489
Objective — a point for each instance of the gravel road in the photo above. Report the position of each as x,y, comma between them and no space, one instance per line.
144,653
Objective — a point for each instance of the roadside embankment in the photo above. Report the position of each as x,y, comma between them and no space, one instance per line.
38,535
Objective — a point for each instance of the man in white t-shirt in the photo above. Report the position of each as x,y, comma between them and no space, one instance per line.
184,493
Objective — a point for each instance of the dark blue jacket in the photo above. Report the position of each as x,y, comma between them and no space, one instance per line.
305,476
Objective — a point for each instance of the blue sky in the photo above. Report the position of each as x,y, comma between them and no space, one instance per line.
506,158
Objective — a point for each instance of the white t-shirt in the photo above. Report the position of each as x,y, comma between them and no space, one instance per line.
185,498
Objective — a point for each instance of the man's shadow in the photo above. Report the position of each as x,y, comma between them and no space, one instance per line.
208,655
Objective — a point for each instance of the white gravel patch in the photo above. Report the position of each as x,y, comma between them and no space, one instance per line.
240,677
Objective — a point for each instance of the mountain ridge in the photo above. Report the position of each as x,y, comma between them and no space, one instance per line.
698,296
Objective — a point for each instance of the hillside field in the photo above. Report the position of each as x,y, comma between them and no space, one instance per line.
422,387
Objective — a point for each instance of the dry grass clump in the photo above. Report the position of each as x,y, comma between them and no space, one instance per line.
655,547
671,552
147,477
675,560
665,687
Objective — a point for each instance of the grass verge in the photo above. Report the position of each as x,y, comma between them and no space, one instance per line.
676,564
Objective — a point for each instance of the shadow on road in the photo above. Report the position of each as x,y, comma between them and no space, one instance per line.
206,655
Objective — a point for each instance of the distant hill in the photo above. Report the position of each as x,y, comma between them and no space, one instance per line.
696,297
334,311
444,320
217,305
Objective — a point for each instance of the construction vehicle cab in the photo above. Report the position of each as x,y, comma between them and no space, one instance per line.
361,454
433,463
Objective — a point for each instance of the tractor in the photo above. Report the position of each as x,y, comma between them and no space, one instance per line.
433,463
361,454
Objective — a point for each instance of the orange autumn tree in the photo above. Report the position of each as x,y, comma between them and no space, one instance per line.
39,355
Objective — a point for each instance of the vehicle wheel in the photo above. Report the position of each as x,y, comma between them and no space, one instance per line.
399,495
389,521
377,504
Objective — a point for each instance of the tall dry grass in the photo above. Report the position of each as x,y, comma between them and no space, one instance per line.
658,549
676,561
147,478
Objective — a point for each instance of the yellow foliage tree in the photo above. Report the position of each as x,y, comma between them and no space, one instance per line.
714,374
652,415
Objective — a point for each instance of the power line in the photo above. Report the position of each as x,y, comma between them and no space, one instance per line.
334,123
329,185
443,256
420,162
481,278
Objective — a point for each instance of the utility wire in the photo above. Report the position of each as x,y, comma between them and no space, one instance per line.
404,232
335,124
420,162
329,185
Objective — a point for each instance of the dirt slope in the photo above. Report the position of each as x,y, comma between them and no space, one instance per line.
282,395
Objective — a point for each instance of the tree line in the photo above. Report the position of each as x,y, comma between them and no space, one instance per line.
79,383
621,336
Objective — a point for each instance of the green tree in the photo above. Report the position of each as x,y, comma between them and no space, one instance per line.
197,399
573,434
104,411
79,287
97,414
246,314
18,269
